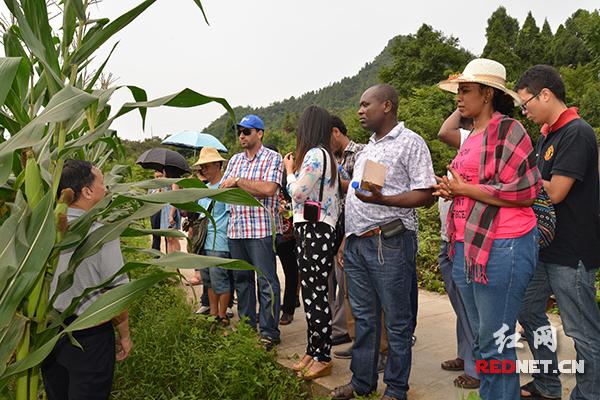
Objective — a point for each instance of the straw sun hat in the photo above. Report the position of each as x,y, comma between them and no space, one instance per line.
481,70
208,155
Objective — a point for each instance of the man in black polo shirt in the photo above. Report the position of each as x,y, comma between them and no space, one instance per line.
568,161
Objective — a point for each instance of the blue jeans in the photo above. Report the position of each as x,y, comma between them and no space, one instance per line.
259,253
464,335
575,292
380,278
492,306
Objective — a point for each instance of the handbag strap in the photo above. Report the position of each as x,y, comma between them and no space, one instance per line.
323,176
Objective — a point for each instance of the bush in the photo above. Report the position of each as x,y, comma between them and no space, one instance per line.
428,269
178,355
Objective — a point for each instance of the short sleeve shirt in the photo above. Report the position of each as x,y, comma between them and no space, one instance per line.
409,167
255,222
572,151
92,271
220,213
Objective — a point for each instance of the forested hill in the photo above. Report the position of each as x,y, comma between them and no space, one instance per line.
335,97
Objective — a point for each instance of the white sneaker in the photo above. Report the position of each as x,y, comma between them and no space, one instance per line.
229,312
203,310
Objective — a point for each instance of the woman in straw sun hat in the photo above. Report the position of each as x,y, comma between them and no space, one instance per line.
216,280
491,225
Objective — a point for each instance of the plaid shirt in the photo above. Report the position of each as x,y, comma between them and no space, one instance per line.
349,156
255,222
507,171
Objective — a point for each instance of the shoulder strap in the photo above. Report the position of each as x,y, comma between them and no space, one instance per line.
323,176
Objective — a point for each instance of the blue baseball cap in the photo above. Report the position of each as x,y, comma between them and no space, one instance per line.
252,121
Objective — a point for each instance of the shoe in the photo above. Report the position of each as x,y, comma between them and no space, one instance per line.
204,310
229,313
317,369
336,341
381,362
456,364
223,321
414,340
303,363
534,394
345,392
268,342
286,319
465,381
343,354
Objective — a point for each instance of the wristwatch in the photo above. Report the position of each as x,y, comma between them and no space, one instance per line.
237,179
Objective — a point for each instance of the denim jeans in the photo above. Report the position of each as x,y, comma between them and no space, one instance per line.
575,292
464,335
216,278
259,253
495,305
380,278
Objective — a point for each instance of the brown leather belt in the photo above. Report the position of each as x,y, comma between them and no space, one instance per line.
372,232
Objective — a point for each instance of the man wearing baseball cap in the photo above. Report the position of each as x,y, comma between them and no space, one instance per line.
258,171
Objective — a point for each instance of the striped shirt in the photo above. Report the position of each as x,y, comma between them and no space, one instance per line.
255,222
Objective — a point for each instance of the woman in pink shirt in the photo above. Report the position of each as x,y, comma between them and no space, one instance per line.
491,226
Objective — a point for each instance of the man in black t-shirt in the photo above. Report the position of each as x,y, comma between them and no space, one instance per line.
567,155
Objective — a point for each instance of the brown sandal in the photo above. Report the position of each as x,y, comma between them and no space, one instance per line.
466,382
344,392
457,364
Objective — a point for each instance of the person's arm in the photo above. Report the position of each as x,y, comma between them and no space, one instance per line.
458,187
450,130
411,199
308,176
258,188
344,185
340,254
558,187
173,209
265,187
124,344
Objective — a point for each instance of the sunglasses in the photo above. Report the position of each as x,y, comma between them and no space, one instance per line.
524,105
245,131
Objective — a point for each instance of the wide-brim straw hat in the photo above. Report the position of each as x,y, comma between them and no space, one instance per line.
208,155
481,70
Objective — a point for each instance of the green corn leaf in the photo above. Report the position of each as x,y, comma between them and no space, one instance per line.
8,71
90,44
131,232
9,339
31,256
114,301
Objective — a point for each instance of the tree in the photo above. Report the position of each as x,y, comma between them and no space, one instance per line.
576,40
501,33
528,46
545,41
53,109
423,59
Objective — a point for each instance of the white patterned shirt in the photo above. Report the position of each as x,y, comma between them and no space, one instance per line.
408,160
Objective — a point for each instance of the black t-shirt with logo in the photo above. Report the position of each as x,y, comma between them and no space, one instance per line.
572,151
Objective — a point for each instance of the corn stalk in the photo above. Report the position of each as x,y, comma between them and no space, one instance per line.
51,109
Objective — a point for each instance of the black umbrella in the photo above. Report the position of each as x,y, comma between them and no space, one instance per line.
163,159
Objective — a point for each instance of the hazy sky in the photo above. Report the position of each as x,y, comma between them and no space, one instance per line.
257,52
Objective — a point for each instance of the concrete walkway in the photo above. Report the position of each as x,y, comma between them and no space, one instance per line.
436,342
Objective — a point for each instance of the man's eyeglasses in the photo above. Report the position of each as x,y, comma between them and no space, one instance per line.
245,131
524,105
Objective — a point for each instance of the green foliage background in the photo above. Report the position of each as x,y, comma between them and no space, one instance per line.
413,64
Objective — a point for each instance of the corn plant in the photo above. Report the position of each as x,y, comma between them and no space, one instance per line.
52,107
